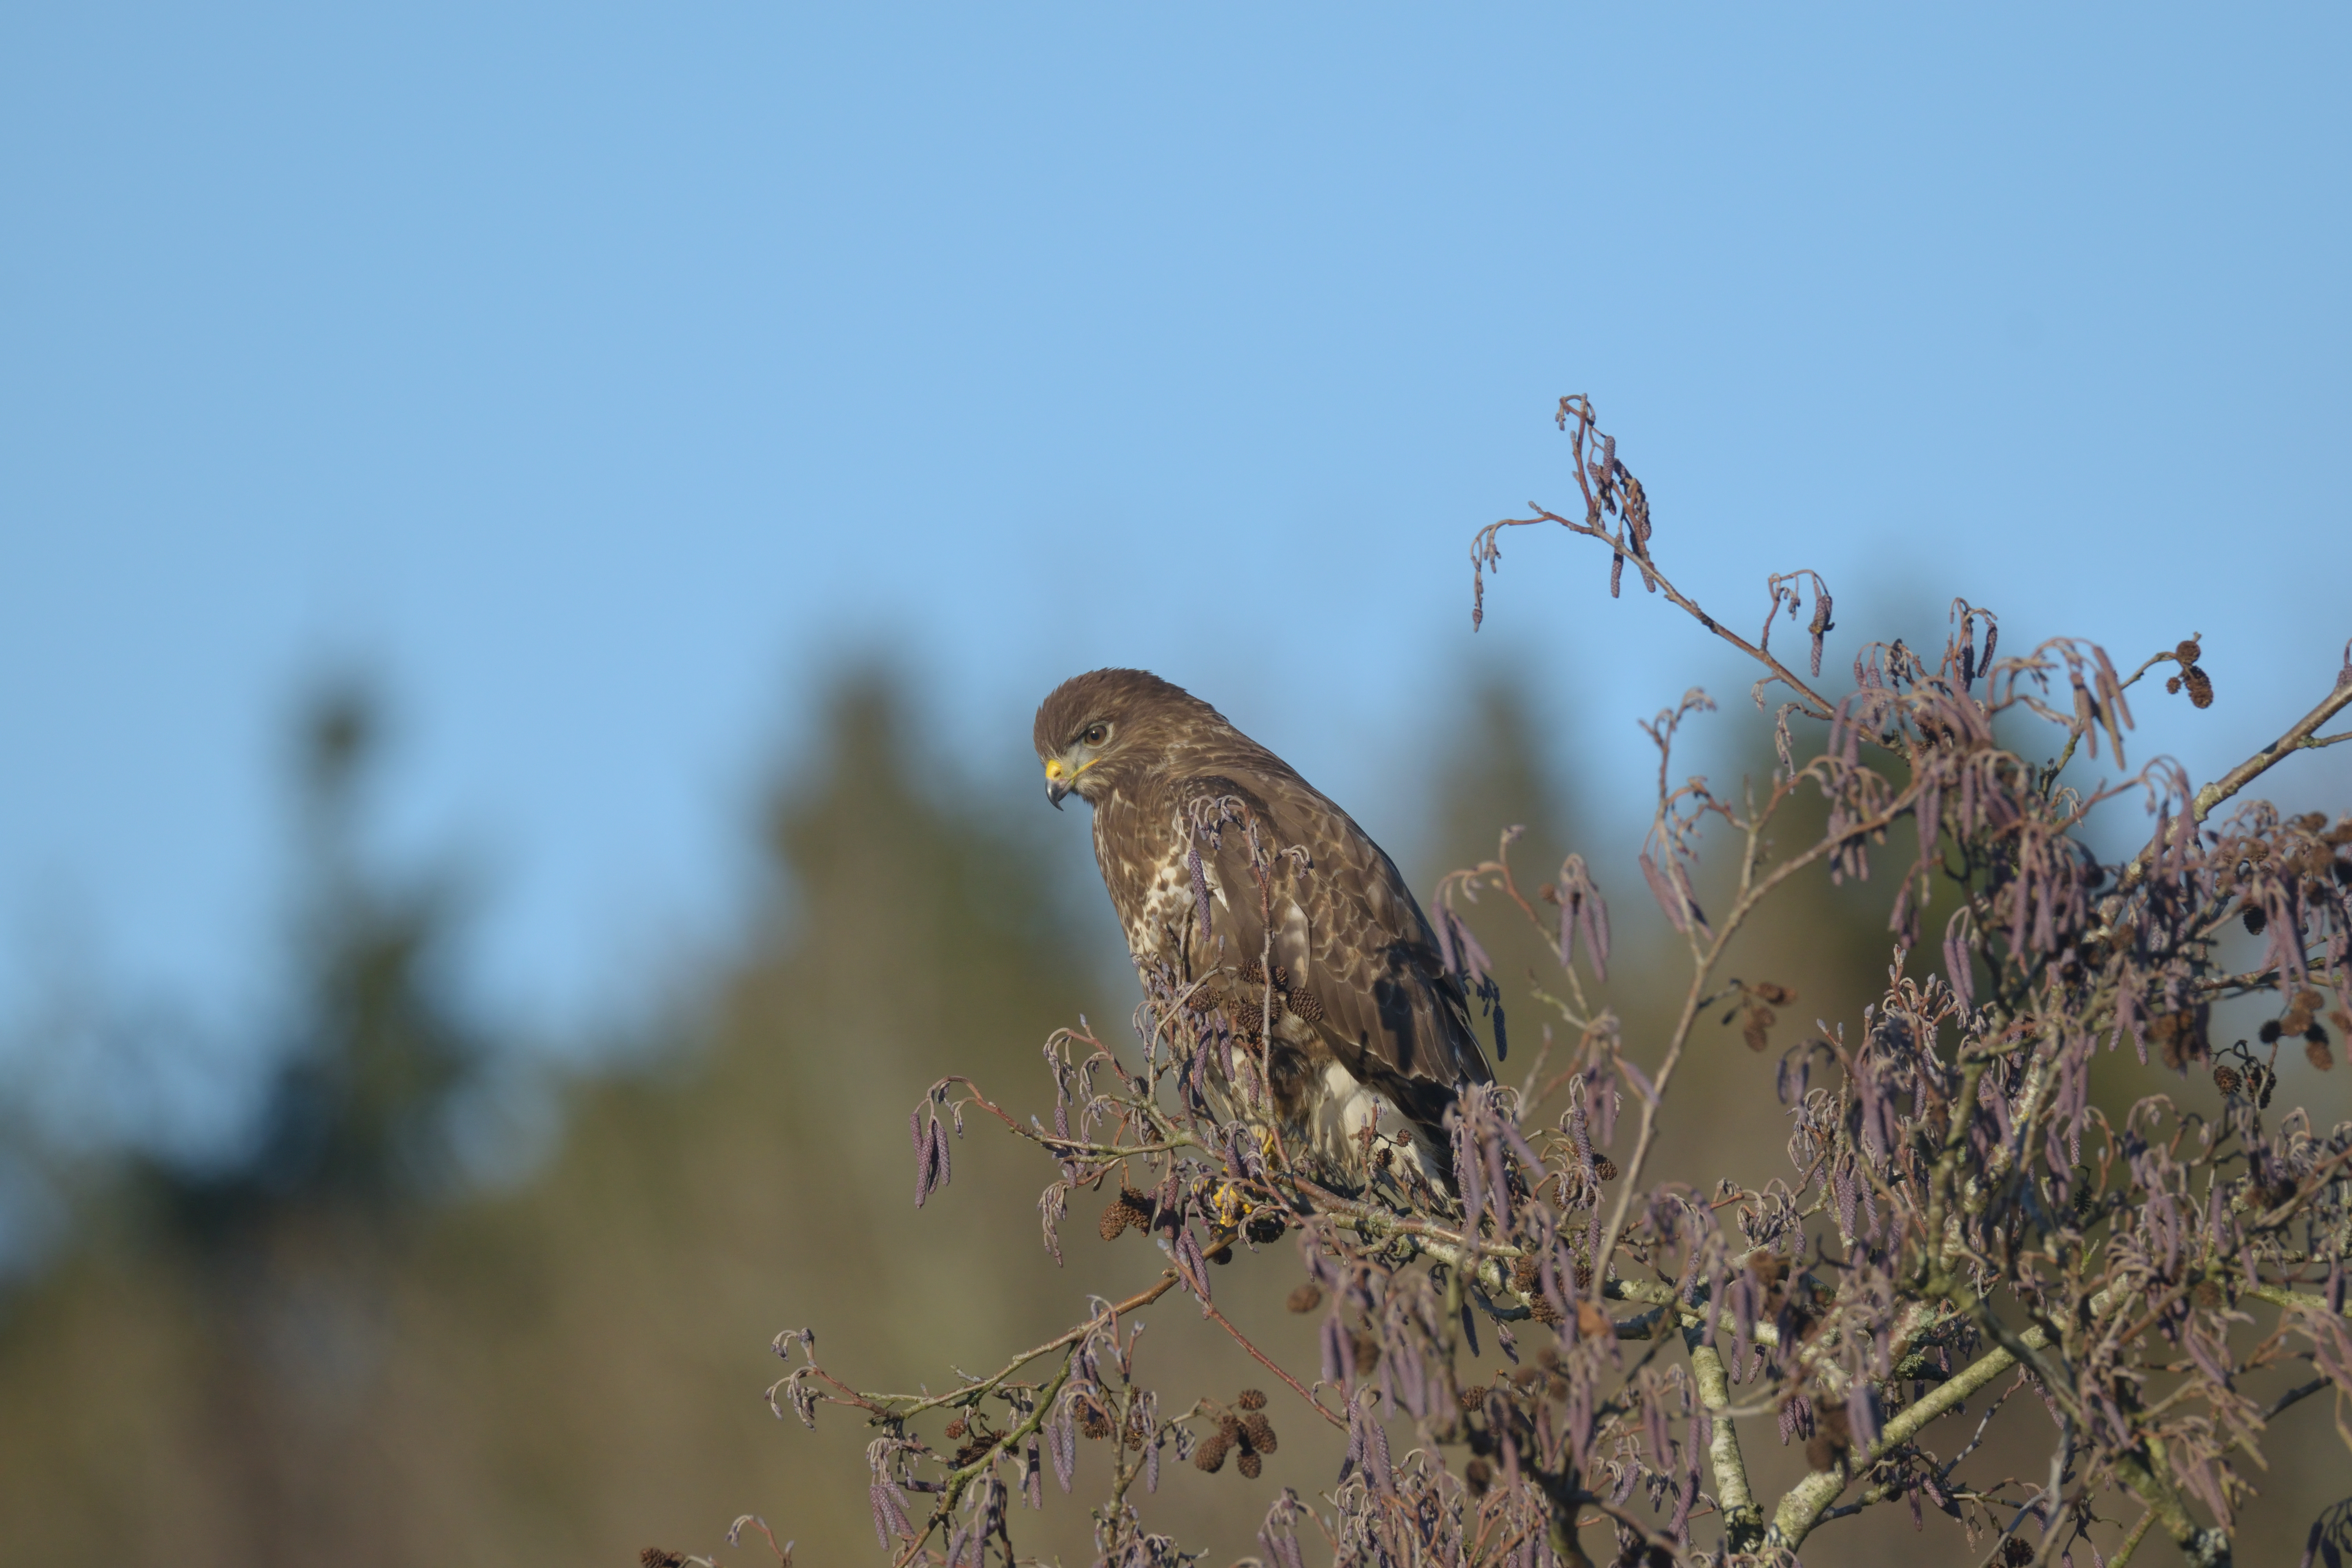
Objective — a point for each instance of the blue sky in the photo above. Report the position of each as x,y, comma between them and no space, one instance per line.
602,377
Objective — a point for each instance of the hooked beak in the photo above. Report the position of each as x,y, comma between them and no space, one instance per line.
1058,780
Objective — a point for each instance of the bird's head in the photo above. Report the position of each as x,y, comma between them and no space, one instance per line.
1098,728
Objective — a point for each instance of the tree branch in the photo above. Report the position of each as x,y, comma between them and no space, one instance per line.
1821,707
1743,1521
2297,738
1265,1361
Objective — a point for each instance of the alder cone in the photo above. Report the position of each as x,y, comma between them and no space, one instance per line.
1130,1208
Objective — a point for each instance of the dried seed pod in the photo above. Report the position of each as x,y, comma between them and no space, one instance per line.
1368,1354
1775,995
1211,1455
1754,1025
1306,1298
1604,1169
2188,652
1130,1208
1251,1399
1304,1005
2255,918
2315,1048
1253,971
1094,1421
2180,1036
1583,1275
2225,1078
955,1427
1250,1464
1478,1474
2017,1552
1259,1433
657,1557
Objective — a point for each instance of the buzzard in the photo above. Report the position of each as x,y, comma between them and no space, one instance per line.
1366,1011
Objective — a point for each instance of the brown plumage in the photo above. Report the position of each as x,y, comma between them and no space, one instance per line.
1362,1000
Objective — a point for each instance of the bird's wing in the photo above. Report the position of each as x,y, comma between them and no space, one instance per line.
1344,927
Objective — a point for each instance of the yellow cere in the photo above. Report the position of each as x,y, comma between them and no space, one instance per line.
1053,768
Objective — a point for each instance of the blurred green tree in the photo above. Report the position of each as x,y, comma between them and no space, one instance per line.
266,1270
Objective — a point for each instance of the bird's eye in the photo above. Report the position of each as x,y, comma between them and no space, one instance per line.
1096,734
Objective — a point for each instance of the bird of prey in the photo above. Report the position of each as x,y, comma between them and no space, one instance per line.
1366,1010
